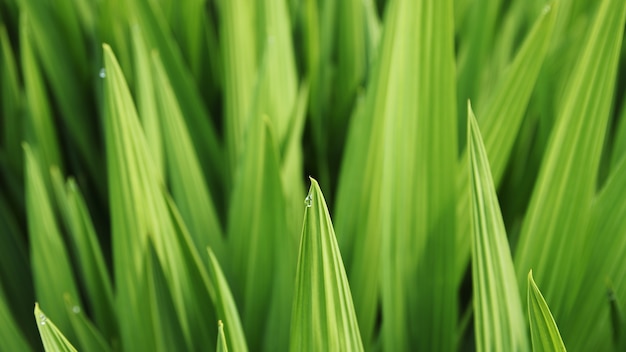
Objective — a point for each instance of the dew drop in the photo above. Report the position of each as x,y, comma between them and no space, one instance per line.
308,201
76,309
42,319
103,73
546,9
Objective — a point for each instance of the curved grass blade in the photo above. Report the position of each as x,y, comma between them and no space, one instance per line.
553,239
543,330
52,273
500,121
323,314
221,338
53,339
499,320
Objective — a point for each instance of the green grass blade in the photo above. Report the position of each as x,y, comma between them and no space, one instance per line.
90,339
11,97
184,172
543,330
619,147
221,338
83,240
501,119
52,272
53,339
257,261
553,239
323,314
499,320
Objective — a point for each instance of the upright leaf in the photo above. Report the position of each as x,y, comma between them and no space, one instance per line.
499,319
323,315
221,338
10,333
543,330
52,338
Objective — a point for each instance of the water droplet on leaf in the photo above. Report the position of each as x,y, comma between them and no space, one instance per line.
103,72
308,201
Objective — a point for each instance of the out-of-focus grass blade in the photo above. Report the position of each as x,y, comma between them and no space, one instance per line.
499,320
500,121
184,173
162,316
85,246
221,338
323,315
146,98
53,339
52,272
41,130
10,333
256,259
239,57
553,238
543,330
11,97
619,147
90,339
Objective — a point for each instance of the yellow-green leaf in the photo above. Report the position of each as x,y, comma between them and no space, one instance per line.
543,330
52,338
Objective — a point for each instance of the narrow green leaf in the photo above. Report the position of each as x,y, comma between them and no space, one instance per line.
499,320
323,314
52,272
86,247
221,338
53,339
553,237
185,176
543,330
501,119
11,97
10,333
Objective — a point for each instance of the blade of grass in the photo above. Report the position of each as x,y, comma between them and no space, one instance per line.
52,272
501,120
553,237
10,332
53,339
499,319
11,97
221,338
543,330
323,314
90,339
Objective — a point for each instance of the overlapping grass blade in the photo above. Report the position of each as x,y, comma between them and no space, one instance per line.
53,339
500,121
93,273
553,238
52,272
255,242
499,321
86,333
184,172
323,314
543,330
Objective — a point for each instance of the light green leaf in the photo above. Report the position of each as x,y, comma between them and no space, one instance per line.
543,330
221,338
52,271
501,118
323,314
499,321
53,339
553,239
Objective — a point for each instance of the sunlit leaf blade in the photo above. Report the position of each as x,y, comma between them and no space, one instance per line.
553,238
225,306
499,321
90,339
221,338
52,272
94,275
543,330
187,182
501,119
256,260
418,194
10,333
323,314
53,339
